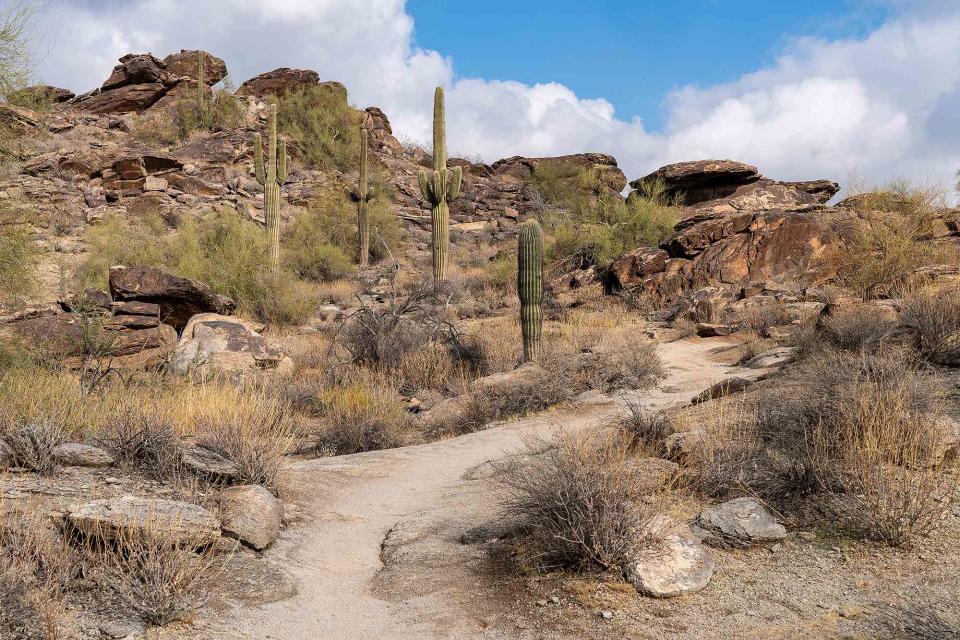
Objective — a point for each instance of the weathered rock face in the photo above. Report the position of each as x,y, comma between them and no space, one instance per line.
75,454
677,566
40,93
179,298
741,231
216,343
178,524
209,464
252,515
280,81
185,65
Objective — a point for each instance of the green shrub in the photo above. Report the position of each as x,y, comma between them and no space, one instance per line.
17,263
39,99
220,249
222,112
589,225
322,126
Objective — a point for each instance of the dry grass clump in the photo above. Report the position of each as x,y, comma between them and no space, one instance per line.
923,620
858,328
760,319
154,579
42,396
934,318
36,567
32,445
530,393
579,503
646,429
248,427
141,434
365,414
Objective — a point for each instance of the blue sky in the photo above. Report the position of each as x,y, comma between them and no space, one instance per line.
803,89
630,53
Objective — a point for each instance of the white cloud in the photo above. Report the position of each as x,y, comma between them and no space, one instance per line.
884,105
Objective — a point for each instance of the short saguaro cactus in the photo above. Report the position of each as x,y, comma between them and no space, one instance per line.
530,286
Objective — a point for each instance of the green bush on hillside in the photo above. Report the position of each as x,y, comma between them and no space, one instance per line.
322,126
17,263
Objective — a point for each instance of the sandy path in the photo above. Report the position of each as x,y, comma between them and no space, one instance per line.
377,553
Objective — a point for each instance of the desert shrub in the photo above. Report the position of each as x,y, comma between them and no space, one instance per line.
322,126
249,428
629,366
880,253
365,414
760,319
222,250
17,263
578,502
528,394
429,367
332,220
934,317
32,445
645,428
608,229
876,462
156,580
919,619
39,99
685,328
141,433
36,568
859,328
221,111
156,130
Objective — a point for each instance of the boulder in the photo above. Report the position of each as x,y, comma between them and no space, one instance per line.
252,515
133,98
676,566
67,335
18,119
280,81
179,524
608,174
75,454
700,180
722,388
215,343
209,464
710,330
41,93
136,68
179,298
741,523
185,65
772,358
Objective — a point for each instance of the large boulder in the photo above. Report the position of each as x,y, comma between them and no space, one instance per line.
281,81
77,454
179,524
677,565
252,515
608,174
179,298
215,343
139,81
186,63
69,335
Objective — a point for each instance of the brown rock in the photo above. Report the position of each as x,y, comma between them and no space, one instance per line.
136,69
41,93
701,180
179,298
133,98
185,65
280,81
252,515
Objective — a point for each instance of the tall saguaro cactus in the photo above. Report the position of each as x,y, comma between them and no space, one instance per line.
362,195
530,286
438,188
271,177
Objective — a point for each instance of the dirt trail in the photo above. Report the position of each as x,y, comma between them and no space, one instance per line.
377,553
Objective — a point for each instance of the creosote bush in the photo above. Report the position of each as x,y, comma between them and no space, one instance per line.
578,503
365,414
322,126
17,264
934,318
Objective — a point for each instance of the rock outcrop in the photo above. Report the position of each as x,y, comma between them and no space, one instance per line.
179,524
179,299
741,522
252,515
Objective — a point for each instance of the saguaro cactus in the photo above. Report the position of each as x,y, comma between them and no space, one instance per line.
438,188
271,177
201,89
530,286
362,195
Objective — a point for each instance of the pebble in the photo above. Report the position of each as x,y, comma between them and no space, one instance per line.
541,603
807,536
554,599
111,480
606,615
776,548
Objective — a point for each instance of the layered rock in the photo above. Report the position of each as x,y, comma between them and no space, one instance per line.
178,524
178,299
215,343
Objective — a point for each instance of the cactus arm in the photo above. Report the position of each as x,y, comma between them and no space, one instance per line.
282,162
272,145
371,194
454,189
258,158
425,187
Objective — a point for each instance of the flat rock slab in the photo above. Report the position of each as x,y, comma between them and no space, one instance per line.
209,464
75,454
179,524
772,358
722,388
228,345
741,523
679,565
252,515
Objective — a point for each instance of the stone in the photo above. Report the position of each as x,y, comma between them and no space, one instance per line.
75,454
700,180
209,464
185,65
135,309
741,523
252,515
119,629
723,388
179,298
678,565
773,358
133,98
683,444
212,342
153,183
279,81
179,524
40,93
710,330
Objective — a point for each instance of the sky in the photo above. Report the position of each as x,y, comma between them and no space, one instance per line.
865,90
